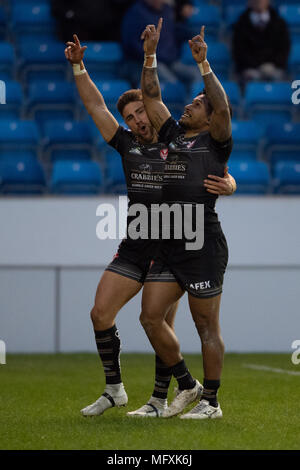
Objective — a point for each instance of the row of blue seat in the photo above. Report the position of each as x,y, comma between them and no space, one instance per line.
22,132
61,96
44,58
26,175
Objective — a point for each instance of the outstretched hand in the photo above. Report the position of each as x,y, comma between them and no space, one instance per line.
74,52
198,46
150,36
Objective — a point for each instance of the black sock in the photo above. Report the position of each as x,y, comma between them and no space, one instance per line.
183,376
163,375
210,391
109,347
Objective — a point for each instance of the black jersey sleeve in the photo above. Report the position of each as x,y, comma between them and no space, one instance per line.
221,149
169,131
121,140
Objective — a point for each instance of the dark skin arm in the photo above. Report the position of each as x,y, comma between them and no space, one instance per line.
220,121
157,112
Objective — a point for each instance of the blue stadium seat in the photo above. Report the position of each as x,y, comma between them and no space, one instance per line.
219,58
115,178
66,135
244,155
21,174
48,100
14,100
294,59
287,177
247,135
208,15
40,60
174,96
7,62
35,16
252,177
71,154
76,177
111,90
268,102
283,142
291,14
18,134
103,58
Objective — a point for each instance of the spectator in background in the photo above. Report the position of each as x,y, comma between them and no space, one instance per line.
168,55
184,9
93,20
260,43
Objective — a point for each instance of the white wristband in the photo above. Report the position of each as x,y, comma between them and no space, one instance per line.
154,62
77,70
201,68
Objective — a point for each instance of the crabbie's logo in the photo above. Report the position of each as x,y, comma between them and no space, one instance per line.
164,153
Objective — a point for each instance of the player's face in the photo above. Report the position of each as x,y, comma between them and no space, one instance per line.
136,118
195,114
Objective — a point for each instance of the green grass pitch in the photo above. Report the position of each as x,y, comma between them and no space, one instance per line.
41,395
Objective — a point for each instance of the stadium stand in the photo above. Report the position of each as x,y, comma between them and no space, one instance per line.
43,123
21,174
76,177
287,177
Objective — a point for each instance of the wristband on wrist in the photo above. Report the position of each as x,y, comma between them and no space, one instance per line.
154,61
201,68
77,70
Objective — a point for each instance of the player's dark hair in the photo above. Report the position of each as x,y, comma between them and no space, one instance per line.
128,97
209,106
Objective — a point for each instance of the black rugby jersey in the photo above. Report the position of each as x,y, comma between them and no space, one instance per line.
143,167
189,162
144,171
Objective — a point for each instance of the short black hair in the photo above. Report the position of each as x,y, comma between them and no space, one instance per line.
209,106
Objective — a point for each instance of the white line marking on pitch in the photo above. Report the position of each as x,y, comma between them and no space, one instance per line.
271,369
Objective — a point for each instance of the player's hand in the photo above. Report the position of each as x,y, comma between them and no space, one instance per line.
74,52
150,36
199,47
218,185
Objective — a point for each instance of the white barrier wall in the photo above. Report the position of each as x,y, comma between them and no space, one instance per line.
51,262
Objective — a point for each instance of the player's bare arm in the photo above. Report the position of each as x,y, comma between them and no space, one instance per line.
223,186
89,93
220,122
157,112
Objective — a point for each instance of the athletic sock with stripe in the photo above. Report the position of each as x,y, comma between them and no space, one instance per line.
163,375
109,348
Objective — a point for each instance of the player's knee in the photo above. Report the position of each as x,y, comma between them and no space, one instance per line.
148,321
101,317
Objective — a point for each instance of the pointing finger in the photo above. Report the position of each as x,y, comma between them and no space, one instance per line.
159,25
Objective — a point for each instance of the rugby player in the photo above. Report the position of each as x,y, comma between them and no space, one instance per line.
124,276
198,144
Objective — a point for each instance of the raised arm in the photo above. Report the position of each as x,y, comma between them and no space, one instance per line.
157,112
220,121
89,93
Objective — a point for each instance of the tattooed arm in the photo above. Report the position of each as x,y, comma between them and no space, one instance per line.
157,112
220,120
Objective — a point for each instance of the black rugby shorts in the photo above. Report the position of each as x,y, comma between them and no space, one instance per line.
133,258
199,272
